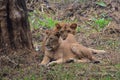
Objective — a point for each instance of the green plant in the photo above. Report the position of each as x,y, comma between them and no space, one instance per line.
31,77
34,20
49,22
101,3
100,23
38,19
107,78
118,75
78,29
117,65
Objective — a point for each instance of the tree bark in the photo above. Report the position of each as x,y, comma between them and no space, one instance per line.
15,35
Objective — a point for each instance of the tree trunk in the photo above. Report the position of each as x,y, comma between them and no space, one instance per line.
15,35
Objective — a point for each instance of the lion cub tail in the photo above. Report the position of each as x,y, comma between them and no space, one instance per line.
94,51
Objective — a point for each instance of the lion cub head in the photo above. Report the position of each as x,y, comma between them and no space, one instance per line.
52,40
64,29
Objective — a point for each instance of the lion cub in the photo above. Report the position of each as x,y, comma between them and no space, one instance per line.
64,28
61,51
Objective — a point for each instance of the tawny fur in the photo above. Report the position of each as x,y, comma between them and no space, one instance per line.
63,28
68,49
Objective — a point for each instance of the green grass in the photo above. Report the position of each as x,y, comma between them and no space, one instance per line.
75,71
78,29
69,71
32,77
100,23
117,65
38,19
101,3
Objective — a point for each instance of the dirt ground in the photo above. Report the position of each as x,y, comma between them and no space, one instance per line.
108,39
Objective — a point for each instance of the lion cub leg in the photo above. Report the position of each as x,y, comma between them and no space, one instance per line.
78,60
45,60
83,52
59,61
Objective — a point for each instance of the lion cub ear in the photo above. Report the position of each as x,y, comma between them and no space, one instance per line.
58,26
73,26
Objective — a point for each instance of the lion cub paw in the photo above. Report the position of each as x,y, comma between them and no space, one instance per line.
51,64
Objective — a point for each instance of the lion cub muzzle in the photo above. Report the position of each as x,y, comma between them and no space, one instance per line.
52,43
